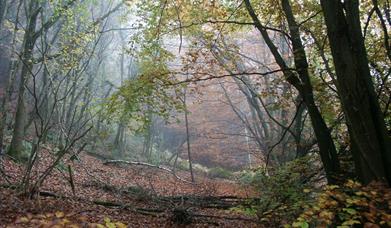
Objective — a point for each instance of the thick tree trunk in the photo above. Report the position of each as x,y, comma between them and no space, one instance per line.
301,147
363,114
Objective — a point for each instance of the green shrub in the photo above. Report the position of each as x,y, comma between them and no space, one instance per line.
139,192
61,166
182,164
219,172
249,177
24,155
283,191
198,168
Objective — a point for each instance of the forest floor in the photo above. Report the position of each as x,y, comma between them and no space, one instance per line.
137,196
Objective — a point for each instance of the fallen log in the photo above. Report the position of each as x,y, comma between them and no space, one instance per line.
143,211
225,217
179,215
217,202
48,194
203,201
147,165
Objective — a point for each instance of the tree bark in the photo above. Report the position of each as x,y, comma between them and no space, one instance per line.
11,75
16,147
364,118
3,8
188,138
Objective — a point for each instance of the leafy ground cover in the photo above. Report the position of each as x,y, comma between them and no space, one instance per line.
118,196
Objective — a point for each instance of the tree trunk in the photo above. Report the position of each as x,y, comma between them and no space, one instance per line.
3,8
188,138
301,147
10,71
362,110
327,150
119,140
16,147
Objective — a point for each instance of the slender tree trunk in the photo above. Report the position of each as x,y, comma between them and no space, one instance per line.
118,141
3,9
4,108
327,150
12,70
148,139
322,132
16,147
359,101
188,138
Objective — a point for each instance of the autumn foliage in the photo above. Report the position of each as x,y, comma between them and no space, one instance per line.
349,205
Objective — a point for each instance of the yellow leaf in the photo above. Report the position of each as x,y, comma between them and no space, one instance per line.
65,221
361,193
107,220
56,226
59,214
350,222
40,216
83,218
331,187
22,220
35,221
72,226
110,225
120,225
371,225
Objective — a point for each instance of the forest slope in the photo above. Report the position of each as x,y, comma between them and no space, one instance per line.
142,189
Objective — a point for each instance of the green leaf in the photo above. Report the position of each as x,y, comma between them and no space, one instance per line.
350,211
303,224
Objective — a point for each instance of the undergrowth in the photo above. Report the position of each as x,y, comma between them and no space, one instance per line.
295,195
